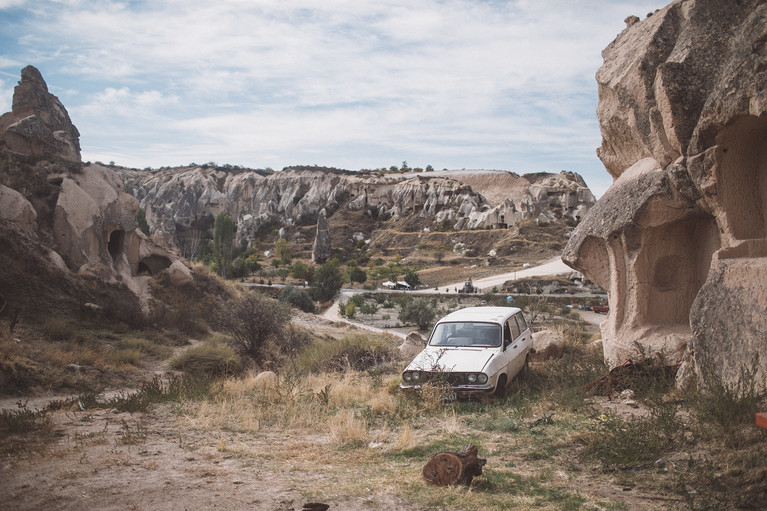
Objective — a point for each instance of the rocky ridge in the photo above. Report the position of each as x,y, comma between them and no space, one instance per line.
181,200
679,240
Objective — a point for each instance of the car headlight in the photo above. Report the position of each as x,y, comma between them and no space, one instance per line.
416,375
482,378
471,378
407,376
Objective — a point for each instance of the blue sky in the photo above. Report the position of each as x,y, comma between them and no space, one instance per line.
346,83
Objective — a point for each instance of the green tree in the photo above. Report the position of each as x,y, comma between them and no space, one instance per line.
223,236
282,248
141,221
357,274
299,270
327,281
412,278
418,311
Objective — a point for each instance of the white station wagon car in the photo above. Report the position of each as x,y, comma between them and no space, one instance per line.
477,349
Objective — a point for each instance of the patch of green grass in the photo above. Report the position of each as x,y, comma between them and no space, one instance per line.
451,442
146,347
23,420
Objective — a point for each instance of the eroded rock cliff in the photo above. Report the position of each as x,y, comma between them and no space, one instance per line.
680,238
181,201
81,213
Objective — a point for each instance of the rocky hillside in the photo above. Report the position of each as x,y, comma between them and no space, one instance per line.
60,216
680,238
181,201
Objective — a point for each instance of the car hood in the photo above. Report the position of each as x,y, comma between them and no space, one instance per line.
451,359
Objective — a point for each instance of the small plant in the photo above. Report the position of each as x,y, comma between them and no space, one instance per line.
23,420
58,329
208,359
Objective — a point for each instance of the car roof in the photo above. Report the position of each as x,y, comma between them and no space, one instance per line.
491,314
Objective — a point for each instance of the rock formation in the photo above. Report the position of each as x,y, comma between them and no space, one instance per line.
321,250
182,202
81,212
679,240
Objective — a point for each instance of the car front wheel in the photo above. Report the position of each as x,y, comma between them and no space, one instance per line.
500,387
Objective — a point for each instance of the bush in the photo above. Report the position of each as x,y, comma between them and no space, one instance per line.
419,311
208,359
297,298
253,320
58,329
354,352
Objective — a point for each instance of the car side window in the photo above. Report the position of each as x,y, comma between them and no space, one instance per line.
521,321
514,328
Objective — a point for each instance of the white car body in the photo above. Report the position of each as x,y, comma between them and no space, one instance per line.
477,349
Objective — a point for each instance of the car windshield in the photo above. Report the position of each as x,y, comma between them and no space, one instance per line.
466,333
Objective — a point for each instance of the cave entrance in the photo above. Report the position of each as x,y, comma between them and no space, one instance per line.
743,176
116,243
153,264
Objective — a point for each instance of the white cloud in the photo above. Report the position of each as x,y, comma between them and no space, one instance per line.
505,82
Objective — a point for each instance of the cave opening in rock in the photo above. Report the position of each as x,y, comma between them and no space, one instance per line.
153,264
743,176
116,243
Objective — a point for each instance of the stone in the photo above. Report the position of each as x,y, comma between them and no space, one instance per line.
413,344
266,380
679,240
548,344
180,274
14,207
321,249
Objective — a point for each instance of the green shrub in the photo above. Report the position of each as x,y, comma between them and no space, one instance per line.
297,298
208,359
356,352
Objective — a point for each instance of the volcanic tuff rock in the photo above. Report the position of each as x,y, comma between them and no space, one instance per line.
322,250
680,238
182,201
81,212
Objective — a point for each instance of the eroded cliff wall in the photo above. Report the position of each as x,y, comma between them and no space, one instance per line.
679,240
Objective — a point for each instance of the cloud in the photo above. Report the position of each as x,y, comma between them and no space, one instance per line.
505,82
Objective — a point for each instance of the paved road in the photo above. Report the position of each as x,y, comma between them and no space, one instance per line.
553,266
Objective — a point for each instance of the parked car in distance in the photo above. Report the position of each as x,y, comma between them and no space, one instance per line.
475,349
603,309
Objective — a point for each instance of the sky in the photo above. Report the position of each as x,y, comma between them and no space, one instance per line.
353,84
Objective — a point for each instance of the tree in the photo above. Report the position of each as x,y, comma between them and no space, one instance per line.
419,311
299,270
141,221
412,279
253,320
357,274
223,236
327,281
282,248
429,168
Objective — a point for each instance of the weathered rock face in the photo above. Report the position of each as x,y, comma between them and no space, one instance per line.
322,250
680,238
183,201
38,124
82,213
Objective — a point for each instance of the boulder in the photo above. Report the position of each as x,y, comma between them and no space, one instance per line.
413,344
180,274
547,344
15,208
679,241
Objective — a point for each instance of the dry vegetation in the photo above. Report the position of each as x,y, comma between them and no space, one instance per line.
329,430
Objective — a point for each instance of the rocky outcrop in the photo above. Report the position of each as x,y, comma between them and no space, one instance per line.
680,238
38,124
182,201
322,249
82,212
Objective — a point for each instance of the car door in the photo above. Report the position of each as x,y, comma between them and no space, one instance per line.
522,342
512,347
